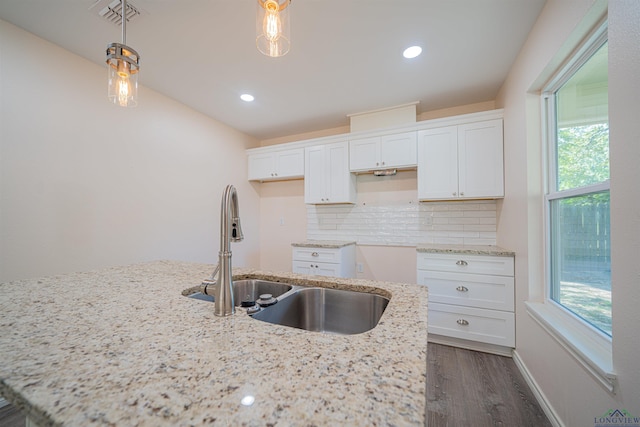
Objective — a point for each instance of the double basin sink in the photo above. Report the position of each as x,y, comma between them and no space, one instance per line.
309,308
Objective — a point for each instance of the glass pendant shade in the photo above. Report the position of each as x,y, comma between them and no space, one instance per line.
123,67
273,32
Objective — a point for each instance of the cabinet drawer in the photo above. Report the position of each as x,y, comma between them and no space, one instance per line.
463,263
475,324
317,254
476,290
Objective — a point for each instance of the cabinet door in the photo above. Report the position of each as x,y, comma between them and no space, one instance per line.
315,174
290,163
481,159
438,163
303,267
261,166
275,165
364,154
399,150
326,269
341,184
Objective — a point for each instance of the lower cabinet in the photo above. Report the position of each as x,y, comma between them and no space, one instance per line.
337,261
471,297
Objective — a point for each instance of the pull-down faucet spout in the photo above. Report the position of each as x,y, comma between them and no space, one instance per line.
230,231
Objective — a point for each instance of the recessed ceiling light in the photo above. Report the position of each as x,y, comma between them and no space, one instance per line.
246,97
412,52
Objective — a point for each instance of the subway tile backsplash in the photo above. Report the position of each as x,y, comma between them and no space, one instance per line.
409,224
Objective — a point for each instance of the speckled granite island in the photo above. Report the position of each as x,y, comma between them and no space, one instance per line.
123,347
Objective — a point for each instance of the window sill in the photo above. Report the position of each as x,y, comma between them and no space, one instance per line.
590,349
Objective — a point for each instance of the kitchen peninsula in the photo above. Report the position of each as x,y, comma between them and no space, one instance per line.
123,346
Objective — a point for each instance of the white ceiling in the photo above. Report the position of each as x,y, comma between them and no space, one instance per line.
346,55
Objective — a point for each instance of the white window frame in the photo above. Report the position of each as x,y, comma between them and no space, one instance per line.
588,345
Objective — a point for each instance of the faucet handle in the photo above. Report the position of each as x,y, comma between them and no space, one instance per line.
206,283
212,281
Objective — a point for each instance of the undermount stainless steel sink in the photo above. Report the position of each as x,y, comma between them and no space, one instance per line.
310,308
246,292
326,310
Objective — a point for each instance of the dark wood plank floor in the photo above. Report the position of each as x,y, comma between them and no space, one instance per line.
11,417
464,388
469,388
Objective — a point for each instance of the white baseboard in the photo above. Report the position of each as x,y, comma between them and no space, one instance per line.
551,414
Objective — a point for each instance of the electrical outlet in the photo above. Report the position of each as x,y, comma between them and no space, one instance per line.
360,268
281,221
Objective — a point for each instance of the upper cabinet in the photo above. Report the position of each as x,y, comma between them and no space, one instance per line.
457,157
461,162
383,152
326,174
278,164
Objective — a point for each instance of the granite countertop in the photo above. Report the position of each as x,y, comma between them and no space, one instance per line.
122,347
464,249
331,244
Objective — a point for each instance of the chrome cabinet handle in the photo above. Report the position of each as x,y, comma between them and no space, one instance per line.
314,254
462,322
461,262
462,289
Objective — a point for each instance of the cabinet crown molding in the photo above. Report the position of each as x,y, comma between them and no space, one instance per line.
422,125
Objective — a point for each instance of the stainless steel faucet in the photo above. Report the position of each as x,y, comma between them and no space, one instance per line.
230,231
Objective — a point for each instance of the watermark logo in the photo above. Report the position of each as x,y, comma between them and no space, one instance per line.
617,418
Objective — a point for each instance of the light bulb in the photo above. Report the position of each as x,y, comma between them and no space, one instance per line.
124,89
272,26
123,84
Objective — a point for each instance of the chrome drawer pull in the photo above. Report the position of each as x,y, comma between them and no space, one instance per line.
314,254
462,322
462,262
462,289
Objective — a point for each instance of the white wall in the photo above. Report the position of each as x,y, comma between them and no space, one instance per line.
85,184
575,397
283,221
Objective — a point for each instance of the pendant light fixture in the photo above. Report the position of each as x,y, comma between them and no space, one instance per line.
124,64
273,33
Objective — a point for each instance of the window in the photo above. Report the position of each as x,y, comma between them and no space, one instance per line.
577,199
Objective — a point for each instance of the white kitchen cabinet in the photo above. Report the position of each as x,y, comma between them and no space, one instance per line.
339,261
461,162
277,164
383,152
326,174
471,298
